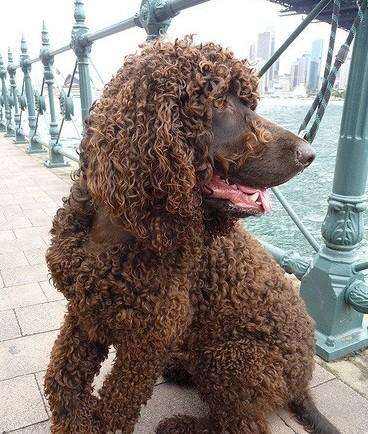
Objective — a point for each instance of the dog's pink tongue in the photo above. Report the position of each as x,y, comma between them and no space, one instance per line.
238,194
222,190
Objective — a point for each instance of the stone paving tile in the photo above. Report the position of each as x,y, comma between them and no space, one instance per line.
26,233
345,408
21,403
17,222
353,372
320,376
105,369
25,355
38,217
24,274
7,199
12,258
21,197
50,292
39,428
40,377
37,204
23,244
51,210
168,400
41,317
278,426
36,256
9,327
6,235
21,295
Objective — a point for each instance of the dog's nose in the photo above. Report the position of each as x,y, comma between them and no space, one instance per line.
305,154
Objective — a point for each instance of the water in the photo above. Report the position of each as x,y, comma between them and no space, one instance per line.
307,192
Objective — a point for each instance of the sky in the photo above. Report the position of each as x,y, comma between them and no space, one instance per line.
233,23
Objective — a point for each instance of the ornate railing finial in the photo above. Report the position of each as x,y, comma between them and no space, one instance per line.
1,65
45,35
23,45
79,13
45,40
147,18
10,56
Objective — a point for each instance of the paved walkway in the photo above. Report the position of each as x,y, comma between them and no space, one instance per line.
31,311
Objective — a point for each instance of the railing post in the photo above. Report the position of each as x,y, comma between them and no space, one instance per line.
55,159
335,292
2,112
19,136
7,104
82,49
34,141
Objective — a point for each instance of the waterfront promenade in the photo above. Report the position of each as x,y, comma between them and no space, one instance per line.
31,311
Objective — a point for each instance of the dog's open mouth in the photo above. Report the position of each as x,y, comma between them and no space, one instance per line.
249,200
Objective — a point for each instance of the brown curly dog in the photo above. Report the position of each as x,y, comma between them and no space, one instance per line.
149,254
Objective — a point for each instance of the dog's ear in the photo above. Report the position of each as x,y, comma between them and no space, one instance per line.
141,171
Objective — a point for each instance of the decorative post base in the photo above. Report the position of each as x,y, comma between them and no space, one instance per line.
53,164
55,159
35,147
19,137
340,329
10,132
343,345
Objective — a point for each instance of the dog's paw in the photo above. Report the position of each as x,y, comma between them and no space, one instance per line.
183,425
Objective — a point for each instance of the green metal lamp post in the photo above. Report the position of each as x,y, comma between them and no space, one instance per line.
334,289
7,105
34,141
19,136
55,159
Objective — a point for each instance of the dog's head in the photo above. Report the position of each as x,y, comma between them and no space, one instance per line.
174,142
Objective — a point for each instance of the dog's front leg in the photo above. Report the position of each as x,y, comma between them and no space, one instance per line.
75,360
141,355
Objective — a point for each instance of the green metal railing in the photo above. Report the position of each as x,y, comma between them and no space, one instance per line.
332,283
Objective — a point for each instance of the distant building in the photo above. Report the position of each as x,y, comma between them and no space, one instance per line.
282,85
264,45
264,50
276,70
303,66
252,52
314,70
294,74
299,72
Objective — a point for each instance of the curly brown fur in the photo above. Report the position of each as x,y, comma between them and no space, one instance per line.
149,268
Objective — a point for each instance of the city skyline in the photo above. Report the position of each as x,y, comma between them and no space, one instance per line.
301,73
